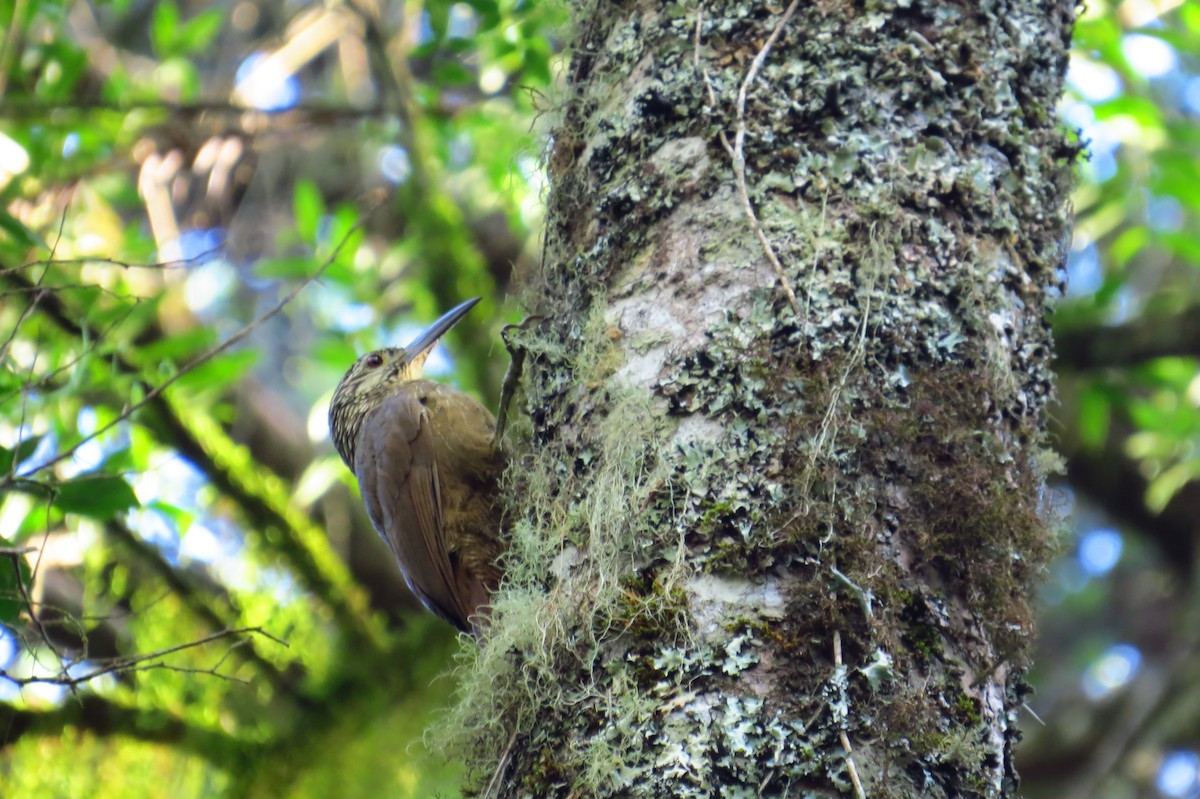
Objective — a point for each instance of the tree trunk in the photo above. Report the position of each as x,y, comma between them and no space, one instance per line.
781,501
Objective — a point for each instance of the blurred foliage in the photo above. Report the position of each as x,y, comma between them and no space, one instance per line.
1118,699
1134,90
169,171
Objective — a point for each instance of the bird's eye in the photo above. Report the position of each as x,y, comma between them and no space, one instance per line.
374,360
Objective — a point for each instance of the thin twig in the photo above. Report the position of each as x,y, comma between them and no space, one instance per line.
30,307
826,430
736,151
739,158
188,670
762,786
34,618
39,293
842,737
46,380
1149,695
142,662
850,767
316,110
178,263
501,767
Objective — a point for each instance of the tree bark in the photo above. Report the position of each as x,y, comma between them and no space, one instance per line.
782,496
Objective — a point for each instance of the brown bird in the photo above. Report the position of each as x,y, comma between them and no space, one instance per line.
428,470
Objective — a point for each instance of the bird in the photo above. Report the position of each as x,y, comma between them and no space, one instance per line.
428,469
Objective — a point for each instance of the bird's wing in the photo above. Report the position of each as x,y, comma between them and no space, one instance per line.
397,474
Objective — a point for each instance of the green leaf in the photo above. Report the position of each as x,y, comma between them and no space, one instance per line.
23,451
12,570
179,517
439,19
10,382
297,266
178,75
1141,110
537,63
1125,246
452,73
335,353
22,235
164,27
200,30
177,347
489,13
65,64
121,460
39,519
1164,487
1183,245
308,206
344,237
218,372
1095,415
98,497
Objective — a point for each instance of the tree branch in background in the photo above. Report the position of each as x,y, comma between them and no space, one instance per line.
276,437
143,662
449,256
64,619
203,603
1152,696
313,113
157,391
102,717
1129,344
1115,482
267,502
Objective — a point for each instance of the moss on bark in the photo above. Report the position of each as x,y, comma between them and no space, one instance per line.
749,535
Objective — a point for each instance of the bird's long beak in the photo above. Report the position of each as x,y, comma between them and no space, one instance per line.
418,350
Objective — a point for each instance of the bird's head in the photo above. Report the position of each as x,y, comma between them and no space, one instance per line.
376,375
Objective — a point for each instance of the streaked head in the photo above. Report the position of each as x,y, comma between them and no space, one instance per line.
377,374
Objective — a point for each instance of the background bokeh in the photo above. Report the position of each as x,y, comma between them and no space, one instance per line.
216,616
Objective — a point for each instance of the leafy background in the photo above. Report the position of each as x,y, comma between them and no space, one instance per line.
170,173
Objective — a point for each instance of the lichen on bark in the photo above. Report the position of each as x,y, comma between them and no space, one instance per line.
750,535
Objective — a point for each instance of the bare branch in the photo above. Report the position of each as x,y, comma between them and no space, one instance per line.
251,117
34,618
180,263
38,292
144,662
1148,337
